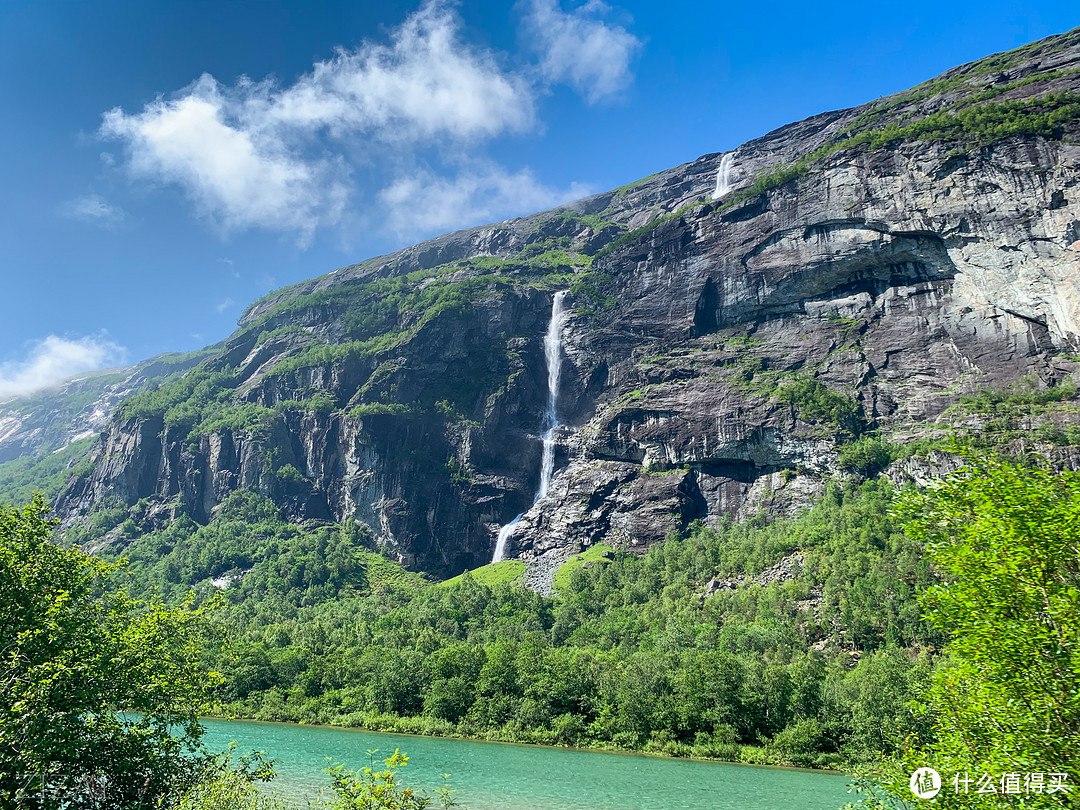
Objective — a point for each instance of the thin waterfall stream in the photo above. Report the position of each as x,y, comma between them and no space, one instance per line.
723,176
553,358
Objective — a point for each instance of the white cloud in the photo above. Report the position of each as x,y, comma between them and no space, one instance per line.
258,155
233,173
425,203
224,305
425,84
95,210
579,48
55,359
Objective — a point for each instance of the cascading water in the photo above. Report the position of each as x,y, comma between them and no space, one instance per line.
723,176
504,535
553,357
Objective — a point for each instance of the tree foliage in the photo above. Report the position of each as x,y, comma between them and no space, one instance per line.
374,788
632,654
76,649
1006,539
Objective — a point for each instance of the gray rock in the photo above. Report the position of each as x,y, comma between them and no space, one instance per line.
898,279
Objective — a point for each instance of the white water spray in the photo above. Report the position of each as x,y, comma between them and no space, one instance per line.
553,357
504,535
723,176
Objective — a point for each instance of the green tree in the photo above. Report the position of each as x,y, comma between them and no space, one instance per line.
75,651
1005,538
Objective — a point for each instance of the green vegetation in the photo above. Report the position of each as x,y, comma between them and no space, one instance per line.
621,190
867,455
1025,411
378,314
81,647
331,354
972,126
1005,537
376,317
381,409
980,124
371,789
196,403
281,331
634,236
255,556
229,786
813,402
865,632
963,80
631,654
77,649
809,398
1025,396
504,572
20,478
813,650
595,555
593,221
100,691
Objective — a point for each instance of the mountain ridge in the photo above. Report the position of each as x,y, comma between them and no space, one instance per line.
819,124
863,272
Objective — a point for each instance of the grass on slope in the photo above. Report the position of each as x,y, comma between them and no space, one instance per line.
492,574
595,554
383,571
21,477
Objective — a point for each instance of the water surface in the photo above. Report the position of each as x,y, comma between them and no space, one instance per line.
496,776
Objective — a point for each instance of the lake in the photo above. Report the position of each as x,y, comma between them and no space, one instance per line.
497,776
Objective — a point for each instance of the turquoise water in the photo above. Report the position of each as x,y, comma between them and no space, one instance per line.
494,776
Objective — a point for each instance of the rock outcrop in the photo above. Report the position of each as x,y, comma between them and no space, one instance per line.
717,355
78,408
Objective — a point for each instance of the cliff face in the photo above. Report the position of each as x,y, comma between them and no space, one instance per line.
78,408
733,323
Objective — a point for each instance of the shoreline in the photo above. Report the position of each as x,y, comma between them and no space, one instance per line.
577,748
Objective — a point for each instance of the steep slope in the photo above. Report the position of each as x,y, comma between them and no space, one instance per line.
44,434
735,325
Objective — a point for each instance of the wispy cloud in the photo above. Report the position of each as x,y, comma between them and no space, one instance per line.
55,359
426,202
230,264
244,154
579,48
291,158
235,172
426,84
95,210
223,305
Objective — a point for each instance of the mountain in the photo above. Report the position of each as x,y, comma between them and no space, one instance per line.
46,437
834,297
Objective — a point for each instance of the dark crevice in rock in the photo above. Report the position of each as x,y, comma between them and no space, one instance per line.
706,310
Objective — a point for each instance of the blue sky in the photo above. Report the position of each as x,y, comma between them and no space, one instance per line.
169,162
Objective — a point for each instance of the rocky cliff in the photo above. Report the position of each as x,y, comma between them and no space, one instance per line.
77,409
736,325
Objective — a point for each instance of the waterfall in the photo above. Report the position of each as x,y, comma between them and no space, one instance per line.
504,535
553,355
553,358
723,176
